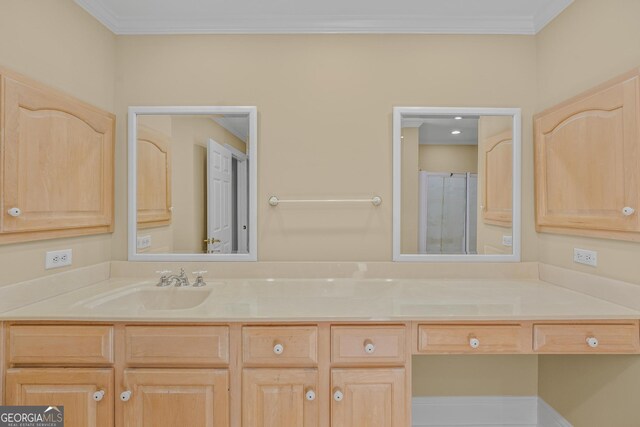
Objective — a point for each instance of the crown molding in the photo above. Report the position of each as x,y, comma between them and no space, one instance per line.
328,24
548,13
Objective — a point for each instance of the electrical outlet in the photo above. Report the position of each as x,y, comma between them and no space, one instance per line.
583,256
507,241
57,259
143,242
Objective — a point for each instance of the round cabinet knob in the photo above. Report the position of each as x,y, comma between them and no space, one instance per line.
98,395
125,396
474,342
592,342
628,211
14,212
369,347
310,395
338,396
278,349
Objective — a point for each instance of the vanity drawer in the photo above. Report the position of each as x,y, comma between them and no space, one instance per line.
60,345
176,345
586,338
447,339
368,344
277,346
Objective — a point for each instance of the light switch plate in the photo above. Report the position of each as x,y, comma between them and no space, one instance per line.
586,257
57,259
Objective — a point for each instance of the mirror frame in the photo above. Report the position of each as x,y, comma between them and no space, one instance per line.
252,153
516,113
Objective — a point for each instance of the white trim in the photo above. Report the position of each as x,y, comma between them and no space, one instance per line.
237,154
525,411
548,13
517,182
327,24
252,112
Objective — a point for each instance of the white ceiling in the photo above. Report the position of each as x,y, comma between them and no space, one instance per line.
437,130
325,16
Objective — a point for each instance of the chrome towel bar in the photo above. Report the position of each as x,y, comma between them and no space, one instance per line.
375,200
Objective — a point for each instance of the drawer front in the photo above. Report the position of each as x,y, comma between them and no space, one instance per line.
278,346
447,339
60,345
587,338
368,344
176,345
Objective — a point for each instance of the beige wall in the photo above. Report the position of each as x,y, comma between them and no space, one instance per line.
57,43
590,42
592,391
410,184
449,158
324,125
479,375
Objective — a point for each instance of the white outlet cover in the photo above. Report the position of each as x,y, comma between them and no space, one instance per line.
58,259
586,257
143,242
507,241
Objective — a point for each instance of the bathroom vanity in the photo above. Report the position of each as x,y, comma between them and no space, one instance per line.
237,352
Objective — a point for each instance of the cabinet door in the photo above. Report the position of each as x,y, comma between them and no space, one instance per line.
154,178
72,388
279,398
368,398
498,180
57,157
177,397
587,154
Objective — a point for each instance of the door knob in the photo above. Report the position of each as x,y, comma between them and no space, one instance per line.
369,347
98,395
310,395
474,342
337,395
278,349
592,342
212,240
125,396
14,212
628,211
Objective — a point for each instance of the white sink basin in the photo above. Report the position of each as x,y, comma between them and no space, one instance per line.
152,298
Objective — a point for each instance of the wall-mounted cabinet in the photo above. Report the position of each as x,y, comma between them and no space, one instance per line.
587,163
57,163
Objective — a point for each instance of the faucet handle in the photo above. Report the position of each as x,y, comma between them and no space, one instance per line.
199,280
163,278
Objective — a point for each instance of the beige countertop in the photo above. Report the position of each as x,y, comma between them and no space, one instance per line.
340,299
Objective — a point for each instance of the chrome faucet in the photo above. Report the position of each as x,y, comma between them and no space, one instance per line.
179,280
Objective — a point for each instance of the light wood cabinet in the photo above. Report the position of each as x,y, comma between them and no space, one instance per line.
153,178
587,163
280,398
497,205
280,345
368,398
365,345
57,161
72,388
586,338
176,397
461,339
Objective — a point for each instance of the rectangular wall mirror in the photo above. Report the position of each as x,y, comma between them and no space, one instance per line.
192,183
456,184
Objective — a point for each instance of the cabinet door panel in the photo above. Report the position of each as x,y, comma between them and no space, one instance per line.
276,398
177,397
154,178
58,162
71,388
498,180
588,160
370,398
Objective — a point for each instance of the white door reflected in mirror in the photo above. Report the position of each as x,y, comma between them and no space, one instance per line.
456,184
194,193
